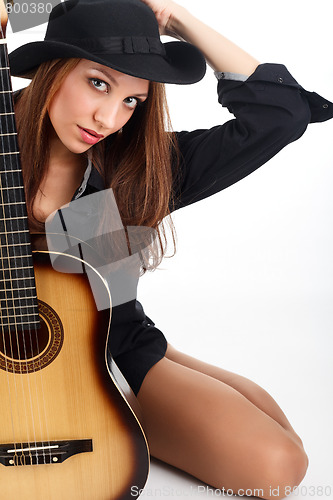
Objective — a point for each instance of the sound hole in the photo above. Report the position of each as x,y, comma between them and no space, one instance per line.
28,352
25,344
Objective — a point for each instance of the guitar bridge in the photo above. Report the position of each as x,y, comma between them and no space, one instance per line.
41,453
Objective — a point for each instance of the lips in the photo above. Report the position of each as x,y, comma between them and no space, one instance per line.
95,134
90,136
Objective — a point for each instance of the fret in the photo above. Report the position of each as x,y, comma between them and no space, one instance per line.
11,180
9,211
18,244
27,315
7,114
13,308
13,239
6,91
9,231
11,195
22,315
30,302
9,305
20,256
11,218
17,203
17,268
8,142
17,261
14,273
12,200
14,232
7,125
6,172
35,322
20,297
6,237
12,251
15,223
13,262
5,67
16,289
19,316
15,252
4,294
7,246
16,279
11,153
16,304
13,226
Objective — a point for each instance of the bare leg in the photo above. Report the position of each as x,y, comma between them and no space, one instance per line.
207,428
253,392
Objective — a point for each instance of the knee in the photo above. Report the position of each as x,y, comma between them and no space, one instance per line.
285,467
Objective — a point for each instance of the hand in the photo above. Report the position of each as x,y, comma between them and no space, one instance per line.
164,11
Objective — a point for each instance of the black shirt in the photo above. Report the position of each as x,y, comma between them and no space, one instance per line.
271,110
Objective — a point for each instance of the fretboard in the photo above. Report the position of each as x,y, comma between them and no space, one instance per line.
19,308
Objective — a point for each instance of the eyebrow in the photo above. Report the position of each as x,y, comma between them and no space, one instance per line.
114,81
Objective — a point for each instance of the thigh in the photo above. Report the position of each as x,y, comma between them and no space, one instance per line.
252,391
210,430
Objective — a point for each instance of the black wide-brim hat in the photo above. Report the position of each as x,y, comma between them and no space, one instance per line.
120,34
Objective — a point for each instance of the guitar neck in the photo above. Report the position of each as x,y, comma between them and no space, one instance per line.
18,298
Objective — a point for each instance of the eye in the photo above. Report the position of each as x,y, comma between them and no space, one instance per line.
99,84
131,102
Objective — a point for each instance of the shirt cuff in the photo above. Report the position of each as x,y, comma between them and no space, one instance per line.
224,75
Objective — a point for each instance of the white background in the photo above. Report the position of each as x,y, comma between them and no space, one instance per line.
251,286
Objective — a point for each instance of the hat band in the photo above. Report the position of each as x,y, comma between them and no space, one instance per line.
116,45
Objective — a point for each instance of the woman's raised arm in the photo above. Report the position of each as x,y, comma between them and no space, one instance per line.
220,53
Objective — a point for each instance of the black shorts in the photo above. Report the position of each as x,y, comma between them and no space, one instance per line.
135,343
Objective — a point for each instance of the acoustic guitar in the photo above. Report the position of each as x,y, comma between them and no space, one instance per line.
69,428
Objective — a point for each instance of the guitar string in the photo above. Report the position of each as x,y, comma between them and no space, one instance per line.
11,289
3,327
18,331
20,213
38,373
3,40
4,343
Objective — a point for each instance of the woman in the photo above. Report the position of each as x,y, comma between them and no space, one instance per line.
103,105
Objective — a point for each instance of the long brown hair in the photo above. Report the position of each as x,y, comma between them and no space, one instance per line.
137,162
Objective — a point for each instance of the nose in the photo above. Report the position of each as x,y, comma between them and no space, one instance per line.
108,116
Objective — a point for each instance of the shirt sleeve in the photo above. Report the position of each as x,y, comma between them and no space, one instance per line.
271,110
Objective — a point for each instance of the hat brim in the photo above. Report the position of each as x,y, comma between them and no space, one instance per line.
182,64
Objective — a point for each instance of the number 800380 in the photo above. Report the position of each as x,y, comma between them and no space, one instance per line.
29,8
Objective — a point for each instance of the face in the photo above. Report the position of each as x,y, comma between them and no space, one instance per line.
93,102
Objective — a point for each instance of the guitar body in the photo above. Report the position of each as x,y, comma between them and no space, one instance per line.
62,398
